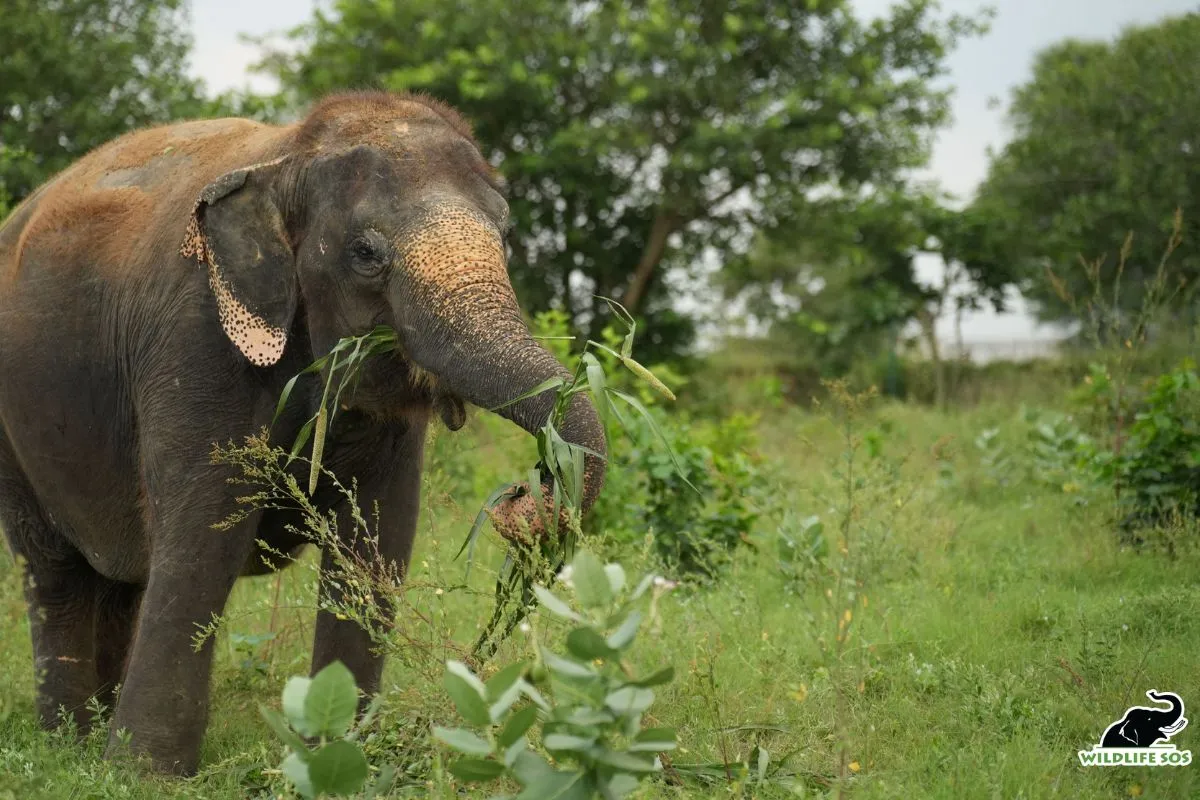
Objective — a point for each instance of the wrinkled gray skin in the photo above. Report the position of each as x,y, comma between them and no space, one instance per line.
154,299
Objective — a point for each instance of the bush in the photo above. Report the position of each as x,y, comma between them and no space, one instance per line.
698,500
1157,470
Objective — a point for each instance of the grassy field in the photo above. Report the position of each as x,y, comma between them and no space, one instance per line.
973,626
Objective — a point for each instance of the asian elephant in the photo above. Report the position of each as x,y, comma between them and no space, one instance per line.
156,296
1142,727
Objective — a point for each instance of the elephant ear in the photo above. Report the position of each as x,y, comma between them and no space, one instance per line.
237,230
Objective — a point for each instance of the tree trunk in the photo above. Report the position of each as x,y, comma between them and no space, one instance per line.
928,321
664,225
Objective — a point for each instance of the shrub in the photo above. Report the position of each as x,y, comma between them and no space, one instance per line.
584,703
1157,471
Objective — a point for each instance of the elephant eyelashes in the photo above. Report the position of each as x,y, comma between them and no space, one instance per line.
369,253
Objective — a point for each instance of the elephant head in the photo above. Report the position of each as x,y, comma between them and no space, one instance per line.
378,209
1142,727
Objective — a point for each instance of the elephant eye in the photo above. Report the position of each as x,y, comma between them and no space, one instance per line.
369,253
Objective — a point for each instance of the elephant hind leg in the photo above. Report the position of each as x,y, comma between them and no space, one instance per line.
60,594
116,618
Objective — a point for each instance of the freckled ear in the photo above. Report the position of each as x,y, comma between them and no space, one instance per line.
237,231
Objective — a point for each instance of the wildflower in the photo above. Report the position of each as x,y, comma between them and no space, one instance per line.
565,576
438,591
525,627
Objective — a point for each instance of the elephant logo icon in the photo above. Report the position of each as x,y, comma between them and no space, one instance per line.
1141,736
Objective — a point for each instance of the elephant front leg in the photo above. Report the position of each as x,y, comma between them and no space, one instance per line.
162,709
396,484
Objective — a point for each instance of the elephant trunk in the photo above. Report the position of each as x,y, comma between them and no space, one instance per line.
460,322
1176,706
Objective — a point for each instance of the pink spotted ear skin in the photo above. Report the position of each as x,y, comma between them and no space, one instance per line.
259,342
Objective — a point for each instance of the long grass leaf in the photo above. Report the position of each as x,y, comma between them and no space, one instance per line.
641,409
550,383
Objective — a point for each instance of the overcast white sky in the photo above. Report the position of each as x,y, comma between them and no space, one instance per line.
981,69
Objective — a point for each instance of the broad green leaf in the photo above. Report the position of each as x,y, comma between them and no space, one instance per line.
463,741
294,693
629,700
517,725
295,769
567,667
554,605
279,725
620,785
616,577
338,768
503,680
623,636
476,770
653,740
514,750
587,717
566,741
625,762
467,692
533,694
558,786
331,701
585,643
528,767
504,702
591,581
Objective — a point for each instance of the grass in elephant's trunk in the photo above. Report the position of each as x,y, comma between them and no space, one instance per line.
530,559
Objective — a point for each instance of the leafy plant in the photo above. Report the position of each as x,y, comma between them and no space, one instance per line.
584,702
343,364
1158,469
526,563
323,708
802,549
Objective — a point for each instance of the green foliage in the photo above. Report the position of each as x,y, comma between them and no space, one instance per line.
324,708
1101,151
77,73
1157,471
582,702
697,495
625,131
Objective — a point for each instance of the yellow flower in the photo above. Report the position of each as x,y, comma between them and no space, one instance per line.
800,694
855,766
1135,790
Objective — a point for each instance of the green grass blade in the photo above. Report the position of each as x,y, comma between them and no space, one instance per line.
641,409
550,383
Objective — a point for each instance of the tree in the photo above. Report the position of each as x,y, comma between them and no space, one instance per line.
636,135
1104,145
76,73
842,287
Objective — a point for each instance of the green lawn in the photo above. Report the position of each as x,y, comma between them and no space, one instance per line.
995,628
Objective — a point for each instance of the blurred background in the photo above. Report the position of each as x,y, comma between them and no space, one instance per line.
787,190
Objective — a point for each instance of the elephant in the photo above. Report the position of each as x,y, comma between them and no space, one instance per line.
155,298
1142,727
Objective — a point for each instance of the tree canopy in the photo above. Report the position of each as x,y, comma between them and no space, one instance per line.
1104,145
75,73
634,136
